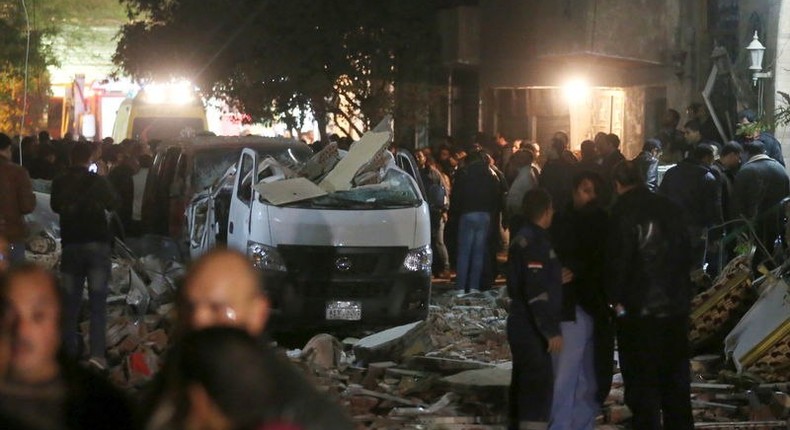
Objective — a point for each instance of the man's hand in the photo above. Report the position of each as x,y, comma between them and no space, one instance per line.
555,344
567,275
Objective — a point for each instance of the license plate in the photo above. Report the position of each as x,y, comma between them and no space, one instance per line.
344,310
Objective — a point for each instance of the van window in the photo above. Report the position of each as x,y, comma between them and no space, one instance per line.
147,129
211,164
244,180
396,190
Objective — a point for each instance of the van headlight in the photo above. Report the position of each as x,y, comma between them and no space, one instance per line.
419,259
265,257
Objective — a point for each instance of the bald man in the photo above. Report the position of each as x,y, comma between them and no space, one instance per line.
223,289
36,375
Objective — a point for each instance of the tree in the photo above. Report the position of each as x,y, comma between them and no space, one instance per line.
13,55
272,59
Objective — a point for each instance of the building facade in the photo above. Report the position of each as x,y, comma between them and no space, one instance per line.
586,66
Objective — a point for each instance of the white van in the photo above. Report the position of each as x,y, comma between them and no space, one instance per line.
360,256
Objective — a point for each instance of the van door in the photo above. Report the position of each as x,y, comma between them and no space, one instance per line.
406,162
241,201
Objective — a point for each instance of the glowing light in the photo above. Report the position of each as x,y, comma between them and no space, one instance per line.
178,92
576,91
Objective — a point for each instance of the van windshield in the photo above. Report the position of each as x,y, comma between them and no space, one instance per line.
396,190
160,128
212,163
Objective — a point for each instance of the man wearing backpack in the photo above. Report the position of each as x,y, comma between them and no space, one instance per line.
436,195
82,199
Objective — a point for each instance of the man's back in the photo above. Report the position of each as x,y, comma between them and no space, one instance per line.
16,200
476,189
81,199
648,255
760,184
694,188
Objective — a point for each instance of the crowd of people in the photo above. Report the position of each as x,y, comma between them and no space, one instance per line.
599,248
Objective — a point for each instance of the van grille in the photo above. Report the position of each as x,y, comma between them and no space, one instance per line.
310,262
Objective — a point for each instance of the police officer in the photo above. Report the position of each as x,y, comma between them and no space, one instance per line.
534,284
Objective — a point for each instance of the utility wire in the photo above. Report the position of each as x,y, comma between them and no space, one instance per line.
24,97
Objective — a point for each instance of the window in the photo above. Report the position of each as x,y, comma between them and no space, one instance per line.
243,178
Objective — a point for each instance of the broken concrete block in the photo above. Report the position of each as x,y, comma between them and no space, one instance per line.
289,191
395,343
323,351
471,381
375,372
360,153
361,405
617,414
158,340
445,365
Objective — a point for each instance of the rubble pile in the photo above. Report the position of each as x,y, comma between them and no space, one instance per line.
140,315
452,371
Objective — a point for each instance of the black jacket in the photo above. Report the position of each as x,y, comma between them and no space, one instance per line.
121,179
694,188
727,180
648,256
557,178
81,199
579,237
772,146
298,402
648,167
476,189
606,195
759,187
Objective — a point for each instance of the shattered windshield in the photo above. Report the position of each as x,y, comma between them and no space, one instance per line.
395,190
212,163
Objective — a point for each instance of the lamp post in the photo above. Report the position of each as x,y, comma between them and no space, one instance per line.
756,53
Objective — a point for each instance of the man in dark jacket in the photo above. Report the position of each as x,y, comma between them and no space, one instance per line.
647,162
222,289
83,199
647,281
16,200
772,146
583,369
534,284
673,144
557,174
693,187
475,200
609,149
694,136
760,186
40,388
725,168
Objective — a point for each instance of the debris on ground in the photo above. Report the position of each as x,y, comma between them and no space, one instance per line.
452,371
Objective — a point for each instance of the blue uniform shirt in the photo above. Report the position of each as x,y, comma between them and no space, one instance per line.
534,283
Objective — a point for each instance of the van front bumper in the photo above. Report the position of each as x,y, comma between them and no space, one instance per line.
300,303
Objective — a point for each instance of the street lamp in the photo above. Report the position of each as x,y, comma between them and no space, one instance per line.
756,52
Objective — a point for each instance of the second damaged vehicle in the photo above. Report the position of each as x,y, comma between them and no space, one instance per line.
341,239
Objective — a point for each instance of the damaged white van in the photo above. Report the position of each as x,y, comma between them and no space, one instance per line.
330,254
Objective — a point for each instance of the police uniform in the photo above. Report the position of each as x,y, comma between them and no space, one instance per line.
534,284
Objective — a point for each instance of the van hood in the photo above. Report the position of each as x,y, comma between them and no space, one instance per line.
407,227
